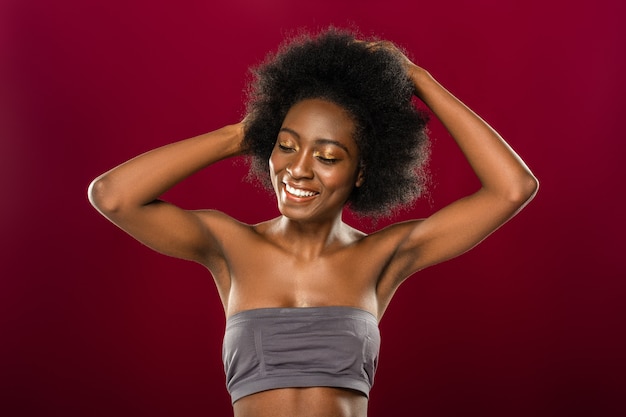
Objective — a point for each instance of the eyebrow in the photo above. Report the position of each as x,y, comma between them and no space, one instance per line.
319,141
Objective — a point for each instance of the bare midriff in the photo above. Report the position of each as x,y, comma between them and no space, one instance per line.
302,402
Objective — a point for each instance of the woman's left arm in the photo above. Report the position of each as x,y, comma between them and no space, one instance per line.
507,184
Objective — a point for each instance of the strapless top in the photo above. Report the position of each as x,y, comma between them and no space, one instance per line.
271,348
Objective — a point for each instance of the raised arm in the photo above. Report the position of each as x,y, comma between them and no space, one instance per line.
507,185
128,195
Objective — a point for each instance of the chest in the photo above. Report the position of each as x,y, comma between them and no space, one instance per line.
266,276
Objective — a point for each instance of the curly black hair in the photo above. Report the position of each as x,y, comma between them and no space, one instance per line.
372,85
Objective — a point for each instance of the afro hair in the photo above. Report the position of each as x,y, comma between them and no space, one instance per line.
372,85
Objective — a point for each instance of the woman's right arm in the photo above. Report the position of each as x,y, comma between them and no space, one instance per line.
128,195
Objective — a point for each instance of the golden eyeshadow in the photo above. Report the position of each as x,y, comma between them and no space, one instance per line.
325,155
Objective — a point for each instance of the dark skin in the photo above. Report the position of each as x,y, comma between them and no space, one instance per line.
308,256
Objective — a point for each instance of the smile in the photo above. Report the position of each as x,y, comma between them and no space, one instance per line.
298,192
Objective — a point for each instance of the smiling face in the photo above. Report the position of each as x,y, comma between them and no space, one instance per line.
315,162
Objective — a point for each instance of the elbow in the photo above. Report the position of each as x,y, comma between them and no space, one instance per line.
102,197
525,190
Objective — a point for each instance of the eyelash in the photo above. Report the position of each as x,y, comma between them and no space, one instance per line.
328,161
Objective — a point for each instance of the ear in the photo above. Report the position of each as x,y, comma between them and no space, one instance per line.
360,177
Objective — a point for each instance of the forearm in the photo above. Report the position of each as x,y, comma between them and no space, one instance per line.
497,166
144,178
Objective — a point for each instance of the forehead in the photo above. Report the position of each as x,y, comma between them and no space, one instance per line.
314,119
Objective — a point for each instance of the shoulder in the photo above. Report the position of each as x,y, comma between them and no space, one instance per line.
383,246
233,235
394,234
219,223
227,233
391,243
228,237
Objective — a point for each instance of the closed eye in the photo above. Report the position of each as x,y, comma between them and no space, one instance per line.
328,160
285,148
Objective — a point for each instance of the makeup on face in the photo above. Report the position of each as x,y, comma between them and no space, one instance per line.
315,162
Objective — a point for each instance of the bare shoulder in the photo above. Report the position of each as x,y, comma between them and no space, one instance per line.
232,242
394,234
225,234
234,236
387,244
221,225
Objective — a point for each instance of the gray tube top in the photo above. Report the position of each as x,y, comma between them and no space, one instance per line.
269,348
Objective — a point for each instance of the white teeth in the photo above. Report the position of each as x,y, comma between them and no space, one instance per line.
299,193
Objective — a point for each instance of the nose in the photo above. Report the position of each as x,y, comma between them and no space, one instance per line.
300,166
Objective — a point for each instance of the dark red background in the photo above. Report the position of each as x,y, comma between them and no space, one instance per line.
530,323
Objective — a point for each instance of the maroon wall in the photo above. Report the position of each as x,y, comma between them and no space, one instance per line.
530,323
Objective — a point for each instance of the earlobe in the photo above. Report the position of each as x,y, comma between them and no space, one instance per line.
360,178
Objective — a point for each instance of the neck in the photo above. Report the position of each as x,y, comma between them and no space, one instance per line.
310,239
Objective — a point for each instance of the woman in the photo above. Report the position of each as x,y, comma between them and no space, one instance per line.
330,122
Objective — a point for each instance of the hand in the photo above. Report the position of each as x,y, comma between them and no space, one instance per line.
415,72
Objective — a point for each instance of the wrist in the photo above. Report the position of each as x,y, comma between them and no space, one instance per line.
237,132
227,140
421,79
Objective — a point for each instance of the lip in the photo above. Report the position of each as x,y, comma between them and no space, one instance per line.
298,193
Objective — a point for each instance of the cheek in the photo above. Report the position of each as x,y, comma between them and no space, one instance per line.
272,171
339,181
271,162
274,162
